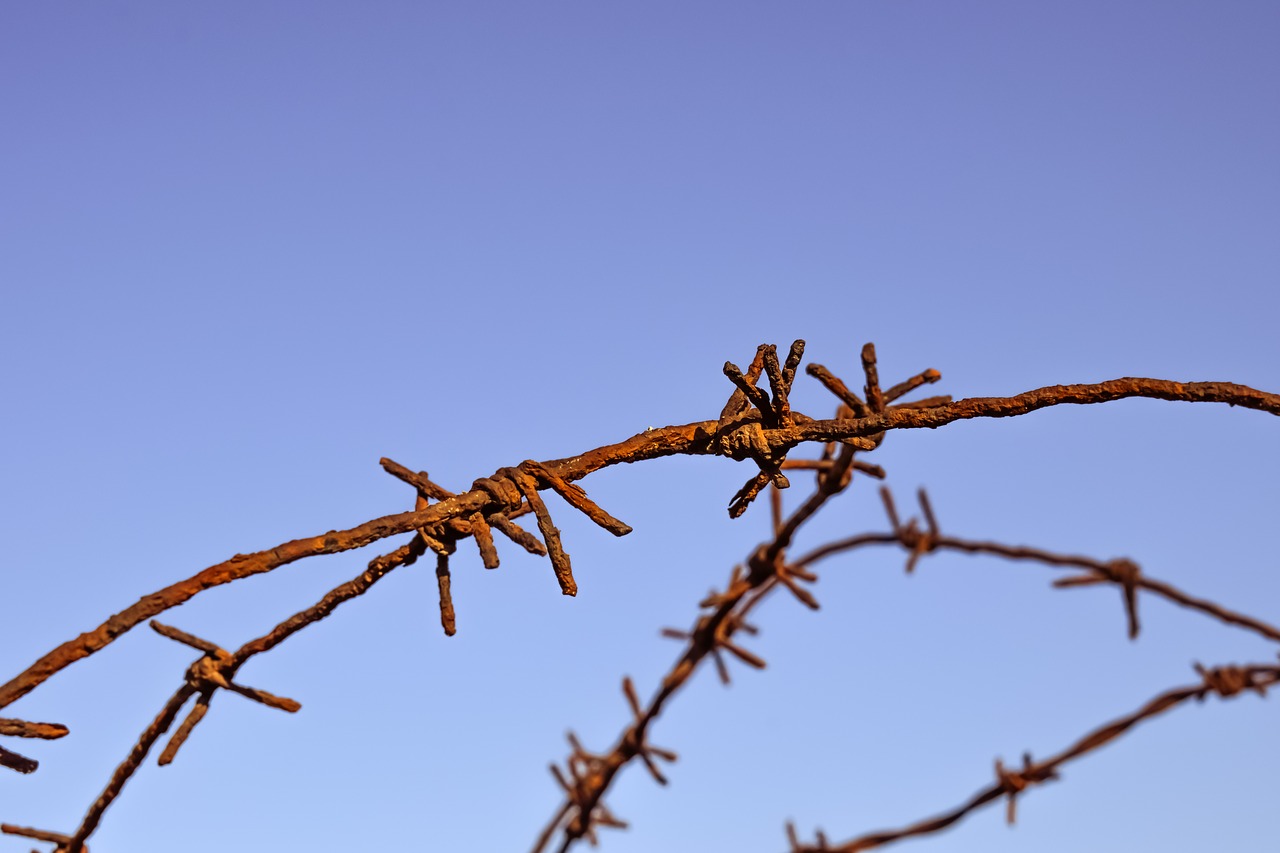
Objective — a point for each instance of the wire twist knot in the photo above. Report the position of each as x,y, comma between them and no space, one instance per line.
1230,680
1121,571
214,669
1014,782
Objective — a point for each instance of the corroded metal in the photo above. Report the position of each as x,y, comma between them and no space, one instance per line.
757,426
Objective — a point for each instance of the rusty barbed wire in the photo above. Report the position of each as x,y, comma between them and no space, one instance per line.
1224,681
754,425
1123,572
702,438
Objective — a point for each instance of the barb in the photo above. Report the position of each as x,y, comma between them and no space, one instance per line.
750,491
748,389
484,541
61,842
794,356
924,377
780,379
442,547
833,384
17,762
22,728
875,397
550,533
639,744
444,583
826,464
1122,572
738,402
576,497
186,727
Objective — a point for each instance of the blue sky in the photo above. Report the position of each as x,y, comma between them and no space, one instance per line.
248,249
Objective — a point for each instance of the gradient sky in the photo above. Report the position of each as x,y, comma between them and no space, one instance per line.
246,249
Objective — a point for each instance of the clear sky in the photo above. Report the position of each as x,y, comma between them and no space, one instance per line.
246,249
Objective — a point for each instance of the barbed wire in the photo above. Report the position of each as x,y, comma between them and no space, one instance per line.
755,425
1224,681
593,774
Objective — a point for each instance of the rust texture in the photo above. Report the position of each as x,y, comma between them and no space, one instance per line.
756,425
22,728
59,841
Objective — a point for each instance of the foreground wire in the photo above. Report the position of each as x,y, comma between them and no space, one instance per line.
702,438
